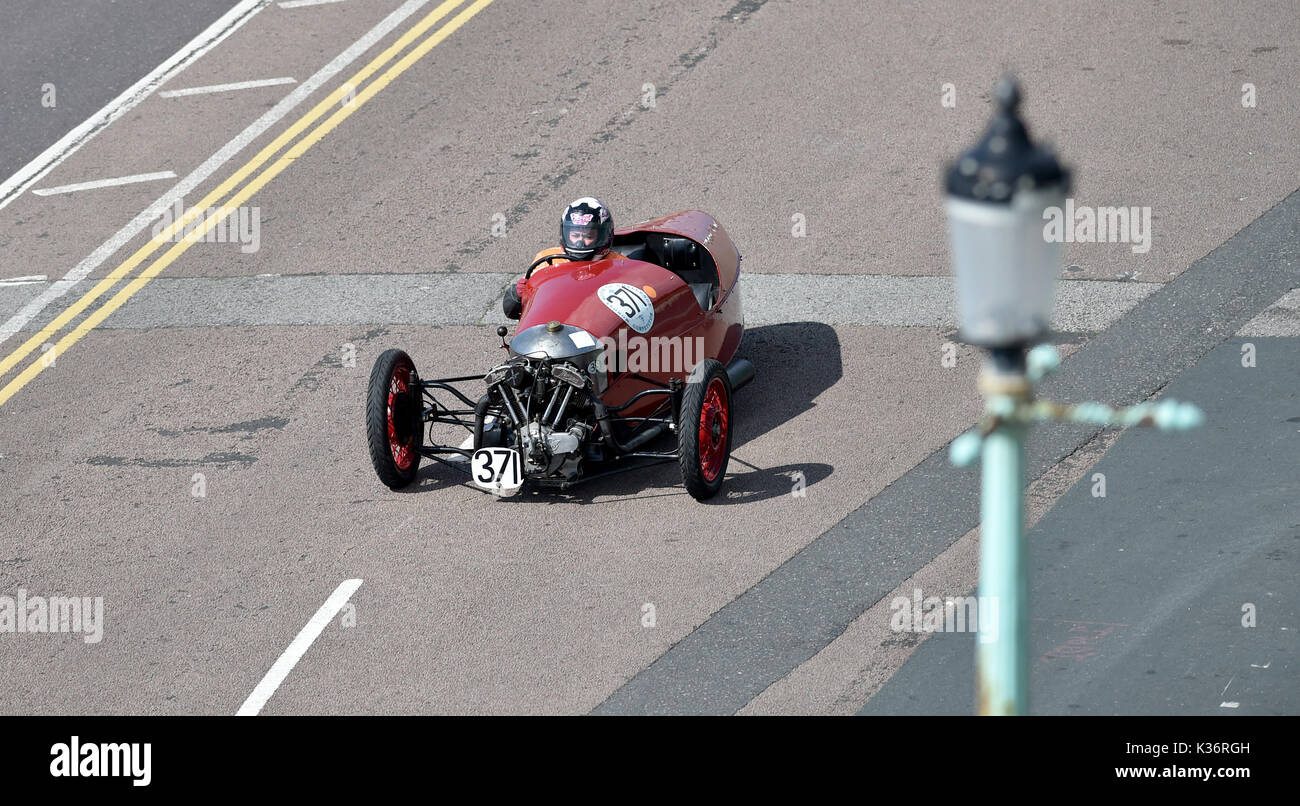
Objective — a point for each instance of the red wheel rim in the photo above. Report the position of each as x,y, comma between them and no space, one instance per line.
401,437
713,430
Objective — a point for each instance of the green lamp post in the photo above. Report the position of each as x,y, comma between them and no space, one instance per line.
1006,275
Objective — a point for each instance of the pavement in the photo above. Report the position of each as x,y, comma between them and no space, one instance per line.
1174,592
180,423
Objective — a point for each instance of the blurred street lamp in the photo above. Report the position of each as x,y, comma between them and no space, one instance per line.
1007,272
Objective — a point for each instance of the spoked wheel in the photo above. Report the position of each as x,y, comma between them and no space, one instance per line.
394,420
704,430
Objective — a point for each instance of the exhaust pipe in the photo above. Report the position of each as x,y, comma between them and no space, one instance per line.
740,373
607,430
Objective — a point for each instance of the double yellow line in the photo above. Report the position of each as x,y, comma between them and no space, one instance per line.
346,98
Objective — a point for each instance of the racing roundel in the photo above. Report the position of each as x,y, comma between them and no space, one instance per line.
630,303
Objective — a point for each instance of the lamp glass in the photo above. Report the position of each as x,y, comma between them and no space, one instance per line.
1006,267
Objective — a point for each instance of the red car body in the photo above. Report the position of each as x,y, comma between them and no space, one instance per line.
567,292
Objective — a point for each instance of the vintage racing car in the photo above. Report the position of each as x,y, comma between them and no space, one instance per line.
609,355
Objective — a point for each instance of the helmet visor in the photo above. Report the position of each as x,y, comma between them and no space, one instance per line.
580,237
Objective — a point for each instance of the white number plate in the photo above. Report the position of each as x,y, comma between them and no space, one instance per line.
497,469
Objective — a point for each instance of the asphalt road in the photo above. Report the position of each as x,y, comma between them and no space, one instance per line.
193,452
66,59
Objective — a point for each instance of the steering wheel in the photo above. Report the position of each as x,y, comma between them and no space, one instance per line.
541,260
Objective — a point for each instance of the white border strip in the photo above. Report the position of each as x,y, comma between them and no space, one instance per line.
48,159
238,85
299,646
105,183
200,174
305,3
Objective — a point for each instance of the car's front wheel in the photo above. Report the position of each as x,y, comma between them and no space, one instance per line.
394,419
704,429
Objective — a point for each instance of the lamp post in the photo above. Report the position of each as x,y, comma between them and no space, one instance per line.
1006,275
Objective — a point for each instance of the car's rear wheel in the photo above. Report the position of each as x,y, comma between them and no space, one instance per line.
393,419
704,430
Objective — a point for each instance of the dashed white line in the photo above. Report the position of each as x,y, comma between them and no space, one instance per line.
36,170
297,648
28,280
302,3
200,174
105,183
238,85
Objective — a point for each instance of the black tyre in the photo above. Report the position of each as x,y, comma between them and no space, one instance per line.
511,304
704,430
394,424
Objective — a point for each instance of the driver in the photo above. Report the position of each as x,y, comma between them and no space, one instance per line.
586,233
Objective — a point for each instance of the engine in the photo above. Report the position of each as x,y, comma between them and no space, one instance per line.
540,401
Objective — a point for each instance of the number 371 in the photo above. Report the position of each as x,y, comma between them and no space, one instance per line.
497,469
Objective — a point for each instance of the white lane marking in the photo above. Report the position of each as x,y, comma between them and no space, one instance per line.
1082,306
1229,704
105,183
50,158
1257,666
303,3
200,174
297,648
28,280
473,298
238,85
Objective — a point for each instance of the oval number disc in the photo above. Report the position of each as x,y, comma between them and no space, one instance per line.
630,303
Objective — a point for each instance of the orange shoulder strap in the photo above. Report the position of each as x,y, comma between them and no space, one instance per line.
554,250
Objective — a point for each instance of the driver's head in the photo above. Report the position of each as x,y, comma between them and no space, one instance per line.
587,229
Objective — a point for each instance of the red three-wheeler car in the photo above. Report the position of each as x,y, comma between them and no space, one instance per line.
609,355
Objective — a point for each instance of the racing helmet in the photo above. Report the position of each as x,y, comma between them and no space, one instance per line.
587,229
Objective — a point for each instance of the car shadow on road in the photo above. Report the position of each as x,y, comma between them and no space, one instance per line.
438,476
795,362
762,483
